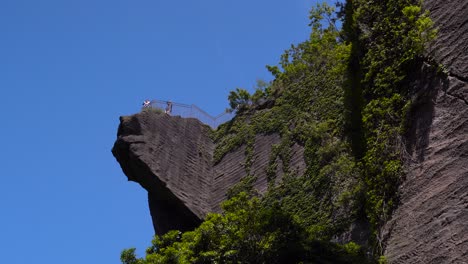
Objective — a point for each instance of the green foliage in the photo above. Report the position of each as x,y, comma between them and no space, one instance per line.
229,136
262,91
308,110
248,231
246,185
239,100
352,248
388,40
382,260
396,37
322,201
128,257
323,15
282,152
337,85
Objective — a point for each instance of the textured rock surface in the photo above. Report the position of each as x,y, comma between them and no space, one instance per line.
171,157
231,168
431,224
451,48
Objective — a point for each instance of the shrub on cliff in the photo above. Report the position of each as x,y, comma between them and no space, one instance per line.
388,40
248,231
295,220
321,87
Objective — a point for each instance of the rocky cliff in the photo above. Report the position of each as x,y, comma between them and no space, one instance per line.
431,224
172,158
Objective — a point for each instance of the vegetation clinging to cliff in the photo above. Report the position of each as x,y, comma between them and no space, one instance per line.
342,96
388,40
248,231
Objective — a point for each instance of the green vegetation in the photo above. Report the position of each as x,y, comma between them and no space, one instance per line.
388,41
239,100
248,231
342,95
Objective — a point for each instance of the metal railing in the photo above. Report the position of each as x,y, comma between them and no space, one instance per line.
192,111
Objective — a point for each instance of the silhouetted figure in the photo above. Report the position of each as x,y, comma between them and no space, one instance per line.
169,108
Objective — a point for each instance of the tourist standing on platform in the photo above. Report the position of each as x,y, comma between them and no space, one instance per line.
146,103
169,108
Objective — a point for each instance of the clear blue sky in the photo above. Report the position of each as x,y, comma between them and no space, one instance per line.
70,68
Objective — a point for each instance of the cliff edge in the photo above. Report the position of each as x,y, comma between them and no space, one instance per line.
172,158
187,174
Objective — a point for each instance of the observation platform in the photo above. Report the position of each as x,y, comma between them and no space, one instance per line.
192,111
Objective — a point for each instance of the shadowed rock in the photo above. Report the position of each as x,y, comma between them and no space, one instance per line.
431,224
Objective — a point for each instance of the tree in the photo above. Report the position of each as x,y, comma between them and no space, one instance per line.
239,100
128,256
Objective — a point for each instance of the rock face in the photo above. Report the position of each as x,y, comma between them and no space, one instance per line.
431,224
171,157
451,46
230,169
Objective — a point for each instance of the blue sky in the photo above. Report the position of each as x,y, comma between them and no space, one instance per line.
69,69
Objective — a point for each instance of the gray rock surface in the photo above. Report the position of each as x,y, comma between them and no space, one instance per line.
231,169
171,157
450,47
431,224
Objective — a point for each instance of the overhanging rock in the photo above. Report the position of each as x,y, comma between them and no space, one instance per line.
171,157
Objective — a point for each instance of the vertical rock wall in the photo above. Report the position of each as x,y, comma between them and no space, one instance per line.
431,224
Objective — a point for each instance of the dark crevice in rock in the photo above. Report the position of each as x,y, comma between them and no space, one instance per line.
460,78
458,97
458,88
